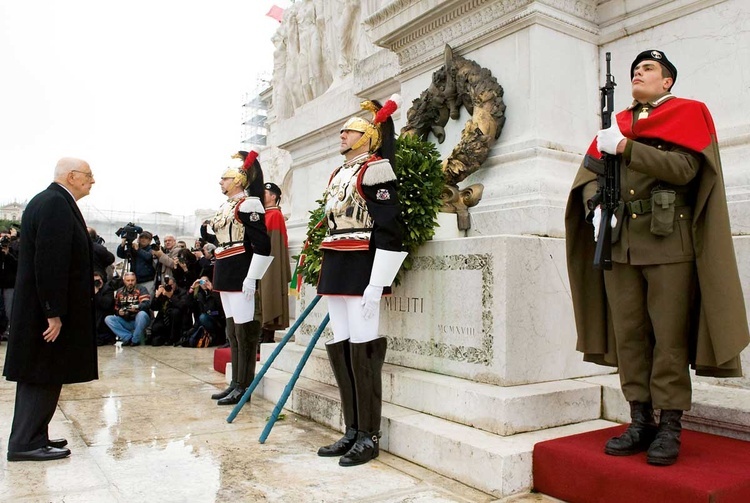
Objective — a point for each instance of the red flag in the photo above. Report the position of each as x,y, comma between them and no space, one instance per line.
276,12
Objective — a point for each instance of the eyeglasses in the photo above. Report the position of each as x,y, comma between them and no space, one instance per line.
89,175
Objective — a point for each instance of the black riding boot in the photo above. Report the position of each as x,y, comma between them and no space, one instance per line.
367,364
639,434
248,335
666,446
232,339
339,354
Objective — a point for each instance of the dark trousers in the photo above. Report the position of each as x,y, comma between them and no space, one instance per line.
651,313
35,406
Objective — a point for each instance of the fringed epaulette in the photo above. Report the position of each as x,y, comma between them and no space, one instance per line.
251,205
377,172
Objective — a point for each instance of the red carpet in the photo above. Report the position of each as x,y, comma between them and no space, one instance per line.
710,469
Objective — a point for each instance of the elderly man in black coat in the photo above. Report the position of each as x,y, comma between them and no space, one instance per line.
56,343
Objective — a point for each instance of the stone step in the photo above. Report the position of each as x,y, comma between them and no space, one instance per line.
720,410
495,409
498,465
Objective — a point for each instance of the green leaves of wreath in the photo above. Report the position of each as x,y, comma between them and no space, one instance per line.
421,182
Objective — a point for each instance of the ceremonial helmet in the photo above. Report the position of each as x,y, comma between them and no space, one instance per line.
372,129
239,166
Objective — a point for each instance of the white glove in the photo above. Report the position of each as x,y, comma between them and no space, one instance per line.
371,301
248,288
597,218
608,139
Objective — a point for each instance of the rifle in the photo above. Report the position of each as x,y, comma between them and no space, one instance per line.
608,176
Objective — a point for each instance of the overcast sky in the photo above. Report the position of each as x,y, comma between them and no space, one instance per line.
148,91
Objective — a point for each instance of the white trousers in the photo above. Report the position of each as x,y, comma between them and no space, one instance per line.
347,321
237,306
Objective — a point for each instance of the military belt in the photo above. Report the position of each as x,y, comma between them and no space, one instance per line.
641,206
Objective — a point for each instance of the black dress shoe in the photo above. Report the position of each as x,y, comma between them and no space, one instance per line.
233,397
57,442
45,453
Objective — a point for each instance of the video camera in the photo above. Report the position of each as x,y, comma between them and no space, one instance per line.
129,232
5,241
156,245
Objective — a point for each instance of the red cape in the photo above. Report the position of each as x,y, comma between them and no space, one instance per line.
695,131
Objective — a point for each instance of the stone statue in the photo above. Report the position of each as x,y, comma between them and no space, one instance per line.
282,99
317,43
292,74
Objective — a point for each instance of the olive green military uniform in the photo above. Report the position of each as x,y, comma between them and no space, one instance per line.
656,311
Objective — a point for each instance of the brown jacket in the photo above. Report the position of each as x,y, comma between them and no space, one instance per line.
721,332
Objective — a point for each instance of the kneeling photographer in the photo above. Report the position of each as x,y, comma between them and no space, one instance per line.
206,303
171,302
132,303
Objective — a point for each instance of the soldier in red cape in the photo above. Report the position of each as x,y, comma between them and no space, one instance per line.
673,297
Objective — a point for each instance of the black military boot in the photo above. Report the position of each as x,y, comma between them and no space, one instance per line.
639,434
367,364
248,335
232,339
233,397
666,446
339,354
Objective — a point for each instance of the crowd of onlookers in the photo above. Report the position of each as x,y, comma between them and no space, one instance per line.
160,294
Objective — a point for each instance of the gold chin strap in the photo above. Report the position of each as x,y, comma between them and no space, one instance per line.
370,132
234,170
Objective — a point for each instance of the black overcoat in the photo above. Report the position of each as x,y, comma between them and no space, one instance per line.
55,278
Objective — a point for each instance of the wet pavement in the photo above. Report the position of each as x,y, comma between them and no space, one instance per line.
147,431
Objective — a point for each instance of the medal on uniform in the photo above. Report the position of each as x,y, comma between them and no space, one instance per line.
643,114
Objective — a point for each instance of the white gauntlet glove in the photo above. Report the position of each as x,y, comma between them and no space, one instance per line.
371,301
258,267
608,139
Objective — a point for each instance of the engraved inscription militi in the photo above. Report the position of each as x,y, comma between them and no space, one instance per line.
404,304
481,354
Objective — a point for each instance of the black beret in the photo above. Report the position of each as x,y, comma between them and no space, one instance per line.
659,57
273,188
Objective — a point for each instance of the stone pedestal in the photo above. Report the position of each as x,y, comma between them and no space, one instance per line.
494,310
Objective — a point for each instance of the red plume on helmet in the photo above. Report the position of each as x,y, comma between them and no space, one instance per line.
387,109
249,160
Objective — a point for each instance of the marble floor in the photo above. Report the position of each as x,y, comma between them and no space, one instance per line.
146,431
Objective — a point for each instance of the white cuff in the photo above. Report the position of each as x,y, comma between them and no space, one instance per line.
258,266
386,266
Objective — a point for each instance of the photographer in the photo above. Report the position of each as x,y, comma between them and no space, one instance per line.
206,303
208,260
186,269
140,255
167,256
131,312
104,304
8,268
103,258
171,302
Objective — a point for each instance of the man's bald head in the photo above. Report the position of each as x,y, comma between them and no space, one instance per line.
67,165
75,175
